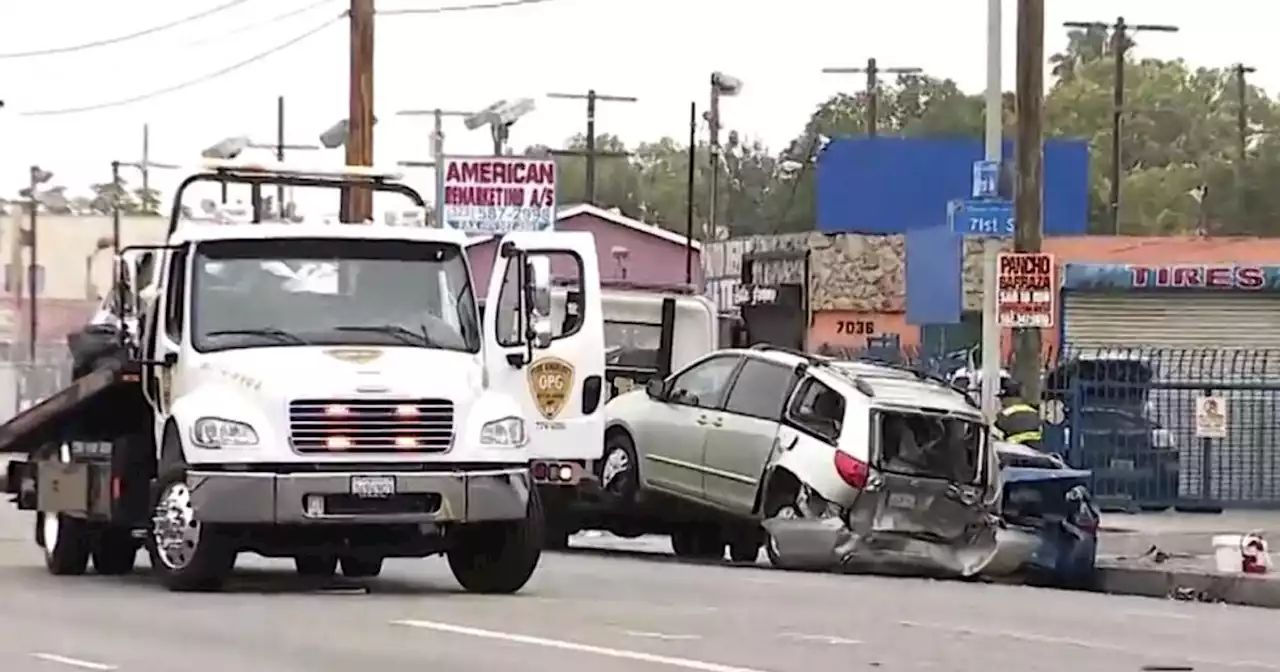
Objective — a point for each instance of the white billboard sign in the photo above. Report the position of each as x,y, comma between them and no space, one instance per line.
500,194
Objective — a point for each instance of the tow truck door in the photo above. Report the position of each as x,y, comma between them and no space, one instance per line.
561,387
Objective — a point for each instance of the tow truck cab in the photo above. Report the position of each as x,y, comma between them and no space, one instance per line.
322,392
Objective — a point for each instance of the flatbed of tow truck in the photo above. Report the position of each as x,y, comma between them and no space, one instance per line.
40,429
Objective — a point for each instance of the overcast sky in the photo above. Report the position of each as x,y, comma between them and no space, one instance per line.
660,51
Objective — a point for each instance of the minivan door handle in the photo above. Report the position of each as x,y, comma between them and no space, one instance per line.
717,421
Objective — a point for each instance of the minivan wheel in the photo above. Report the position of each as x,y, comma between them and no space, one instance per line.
698,542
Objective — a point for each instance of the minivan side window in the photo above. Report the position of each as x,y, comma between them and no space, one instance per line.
704,384
818,410
761,390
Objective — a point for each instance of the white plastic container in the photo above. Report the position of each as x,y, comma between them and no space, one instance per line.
1237,553
1227,556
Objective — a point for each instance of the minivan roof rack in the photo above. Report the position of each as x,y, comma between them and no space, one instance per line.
814,360
920,374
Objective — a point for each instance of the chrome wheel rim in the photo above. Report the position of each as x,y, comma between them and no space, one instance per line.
174,528
48,520
785,513
616,464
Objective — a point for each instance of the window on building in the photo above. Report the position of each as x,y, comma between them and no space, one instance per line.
12,280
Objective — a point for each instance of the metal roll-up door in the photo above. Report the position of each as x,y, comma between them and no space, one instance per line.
1172,320
1216,339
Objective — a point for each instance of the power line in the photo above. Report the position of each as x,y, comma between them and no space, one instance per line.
239,30
191,82
460,8
124,38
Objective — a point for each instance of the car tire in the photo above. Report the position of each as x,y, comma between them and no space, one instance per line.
316,566
187,555
619,470
115,551
361,568
498,557
744,546
698,542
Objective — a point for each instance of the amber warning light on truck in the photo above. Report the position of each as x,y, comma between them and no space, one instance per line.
1028,293
500,194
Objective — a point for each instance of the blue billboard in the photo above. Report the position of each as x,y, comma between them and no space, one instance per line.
887,185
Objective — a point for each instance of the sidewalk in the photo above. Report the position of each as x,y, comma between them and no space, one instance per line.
1170,555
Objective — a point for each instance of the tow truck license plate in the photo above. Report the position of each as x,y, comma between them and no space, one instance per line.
373,487
902,500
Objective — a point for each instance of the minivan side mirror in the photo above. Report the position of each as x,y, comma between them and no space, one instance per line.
654,389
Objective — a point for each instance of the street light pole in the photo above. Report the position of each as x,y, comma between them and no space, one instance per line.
437,161
721,85
993,140
873,71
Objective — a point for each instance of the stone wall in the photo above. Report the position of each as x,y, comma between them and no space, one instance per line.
853,272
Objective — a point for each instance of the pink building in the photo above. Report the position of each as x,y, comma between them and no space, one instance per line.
653,255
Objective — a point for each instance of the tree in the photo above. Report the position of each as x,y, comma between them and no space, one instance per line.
1085,46
148,201
104,194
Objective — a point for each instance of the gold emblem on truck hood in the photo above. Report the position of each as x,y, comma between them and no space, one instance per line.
551,385
354,355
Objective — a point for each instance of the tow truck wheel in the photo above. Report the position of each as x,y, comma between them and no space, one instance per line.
498,557
361,568
186,554
65,541
115,551
316,565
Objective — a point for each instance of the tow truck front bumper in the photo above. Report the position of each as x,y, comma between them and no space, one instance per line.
336,497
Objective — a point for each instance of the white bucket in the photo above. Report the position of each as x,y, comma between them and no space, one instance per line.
1236,553
1228,556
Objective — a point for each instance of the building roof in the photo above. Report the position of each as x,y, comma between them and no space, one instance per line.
1164,250
573,210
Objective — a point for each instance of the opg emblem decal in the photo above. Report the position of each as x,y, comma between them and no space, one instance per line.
550,382
354,356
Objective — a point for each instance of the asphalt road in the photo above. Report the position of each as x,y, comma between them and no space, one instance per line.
590,612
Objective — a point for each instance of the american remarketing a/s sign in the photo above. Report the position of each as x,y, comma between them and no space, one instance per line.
500,194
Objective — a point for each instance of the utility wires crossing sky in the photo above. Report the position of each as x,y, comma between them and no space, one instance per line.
124,38
241,64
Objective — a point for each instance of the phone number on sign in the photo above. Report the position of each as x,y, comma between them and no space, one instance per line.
498,219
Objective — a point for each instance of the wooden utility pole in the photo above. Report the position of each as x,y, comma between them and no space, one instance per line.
873,72
358,205
1119,47
591,152
1029,158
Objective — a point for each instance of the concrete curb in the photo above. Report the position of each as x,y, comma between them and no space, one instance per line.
1188,585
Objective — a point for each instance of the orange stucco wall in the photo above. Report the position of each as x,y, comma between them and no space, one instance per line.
852,329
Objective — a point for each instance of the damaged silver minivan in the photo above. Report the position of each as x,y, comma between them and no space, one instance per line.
919,482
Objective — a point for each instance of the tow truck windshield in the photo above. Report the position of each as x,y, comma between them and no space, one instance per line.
291,292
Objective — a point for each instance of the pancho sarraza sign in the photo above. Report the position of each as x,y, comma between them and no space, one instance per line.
500,194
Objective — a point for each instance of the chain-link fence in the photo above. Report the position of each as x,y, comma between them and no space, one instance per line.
1158,427
24,383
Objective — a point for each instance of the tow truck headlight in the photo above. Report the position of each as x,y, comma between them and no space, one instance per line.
218,432
504,433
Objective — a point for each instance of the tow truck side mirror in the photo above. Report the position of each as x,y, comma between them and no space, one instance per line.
538,292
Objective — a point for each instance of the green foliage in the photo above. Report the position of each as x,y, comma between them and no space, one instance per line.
1181,169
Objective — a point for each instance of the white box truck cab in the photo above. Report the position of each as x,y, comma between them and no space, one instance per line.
323,392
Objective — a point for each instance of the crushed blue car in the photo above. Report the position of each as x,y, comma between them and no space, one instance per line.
1048,508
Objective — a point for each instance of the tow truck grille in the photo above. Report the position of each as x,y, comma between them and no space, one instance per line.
371,425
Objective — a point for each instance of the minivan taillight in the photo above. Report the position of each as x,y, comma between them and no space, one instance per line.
852,470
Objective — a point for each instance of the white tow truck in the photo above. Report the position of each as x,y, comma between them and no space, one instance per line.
322,392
